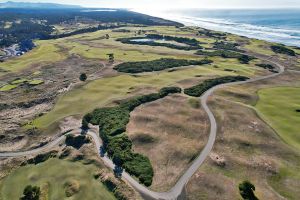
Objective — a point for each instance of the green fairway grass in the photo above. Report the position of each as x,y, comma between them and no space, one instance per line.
52,176
35,82
8,87
277,106
45,51
103,91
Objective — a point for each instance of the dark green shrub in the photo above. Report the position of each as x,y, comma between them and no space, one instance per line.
157,65
247,190
112,123
76,141
198,90
283,50
31,193
83,77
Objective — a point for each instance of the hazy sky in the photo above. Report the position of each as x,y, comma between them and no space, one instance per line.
151,4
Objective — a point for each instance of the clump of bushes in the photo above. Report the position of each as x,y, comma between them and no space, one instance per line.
213,34
198,90
31,193
157,65
112,123
244,59
76,141
269,67
283,50
226,46
83,77
191,44
184,40
41,158
247,190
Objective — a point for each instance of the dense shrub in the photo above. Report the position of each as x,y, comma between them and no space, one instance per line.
157,65
76,141
247,190
226,46
283,50
192,44
42,157
31,193
267,66
213,34
199,89
184,40
83,77
244,59
112,123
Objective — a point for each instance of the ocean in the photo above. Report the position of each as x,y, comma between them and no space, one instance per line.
274,25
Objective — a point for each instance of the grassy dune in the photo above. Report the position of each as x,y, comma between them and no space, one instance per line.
52,180
278,107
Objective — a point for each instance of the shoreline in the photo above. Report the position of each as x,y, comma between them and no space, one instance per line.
186,20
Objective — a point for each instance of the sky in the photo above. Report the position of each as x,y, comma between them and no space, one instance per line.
166,4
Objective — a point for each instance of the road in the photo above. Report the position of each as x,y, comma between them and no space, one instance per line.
178,188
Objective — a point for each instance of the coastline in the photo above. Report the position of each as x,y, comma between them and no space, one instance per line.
214,25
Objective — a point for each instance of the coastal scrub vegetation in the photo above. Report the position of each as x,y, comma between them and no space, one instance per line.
112,123
157,65
198,90
188,43
244,59
247,190
283,50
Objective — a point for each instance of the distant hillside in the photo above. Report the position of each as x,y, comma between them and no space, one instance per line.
11,4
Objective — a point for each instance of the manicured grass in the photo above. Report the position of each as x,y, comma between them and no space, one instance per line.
19,81
45,52
279,182
100,92
52,175
7,87
35,82
277,106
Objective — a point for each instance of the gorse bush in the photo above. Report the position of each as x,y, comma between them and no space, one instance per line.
244,59
190,44
112,123
283,50
157,65
198,90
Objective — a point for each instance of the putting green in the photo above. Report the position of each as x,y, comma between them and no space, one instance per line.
278,107
52,177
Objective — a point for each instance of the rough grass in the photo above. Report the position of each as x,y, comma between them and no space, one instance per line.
100,92
57,175
278,107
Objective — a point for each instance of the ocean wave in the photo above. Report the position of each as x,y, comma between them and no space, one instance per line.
284,35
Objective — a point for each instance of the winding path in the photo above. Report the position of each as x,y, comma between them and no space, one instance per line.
175,192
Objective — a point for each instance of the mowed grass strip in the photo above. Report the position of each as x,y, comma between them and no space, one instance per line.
53,176
280,107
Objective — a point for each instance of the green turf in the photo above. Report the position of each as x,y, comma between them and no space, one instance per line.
45,52
35,82
19,81
52,175
7,87
277,106
100,92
